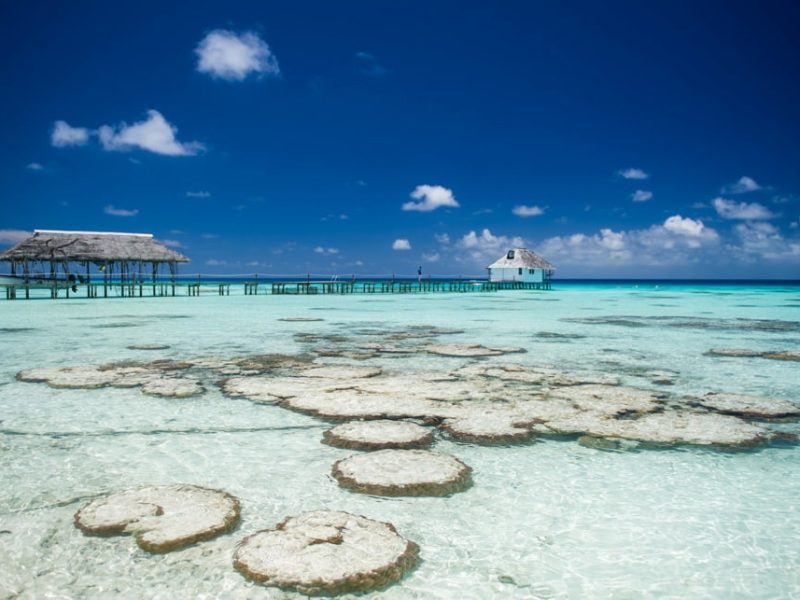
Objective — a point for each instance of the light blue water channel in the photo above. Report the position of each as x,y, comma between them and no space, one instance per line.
550,519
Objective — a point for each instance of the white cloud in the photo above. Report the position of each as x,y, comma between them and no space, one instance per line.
442,238
65,135
155,134
172,243
641,196
326,251
120,212
486,246
431,197
13,236
401,244
209,236
684,226
214,262
434,257
694,230
227,55
34,166
527,211
633,173
730,209
200,194
744,185
487,240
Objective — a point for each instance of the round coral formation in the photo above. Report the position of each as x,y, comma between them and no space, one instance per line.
378,435
403,473
753,407
488,428
169,387
326,553
162,518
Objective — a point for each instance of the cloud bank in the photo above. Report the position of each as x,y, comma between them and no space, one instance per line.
485,247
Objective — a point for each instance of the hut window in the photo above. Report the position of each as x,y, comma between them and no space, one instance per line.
510,255
530,271
520,270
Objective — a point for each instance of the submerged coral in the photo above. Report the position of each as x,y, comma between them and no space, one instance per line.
489,427
163,518
792,355
468,350
378,435
326,553
482,401
403,473
754,407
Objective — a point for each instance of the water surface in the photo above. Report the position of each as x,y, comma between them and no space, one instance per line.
549,519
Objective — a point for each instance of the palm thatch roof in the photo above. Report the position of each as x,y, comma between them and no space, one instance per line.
521,257
92,246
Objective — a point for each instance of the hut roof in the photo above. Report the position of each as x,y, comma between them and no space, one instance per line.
46,244
521,257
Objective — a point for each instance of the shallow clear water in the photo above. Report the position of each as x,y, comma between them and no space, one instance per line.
550,519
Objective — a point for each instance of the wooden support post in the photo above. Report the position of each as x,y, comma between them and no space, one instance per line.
53,288
26,273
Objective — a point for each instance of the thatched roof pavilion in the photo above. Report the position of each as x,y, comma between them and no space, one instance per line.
92,246
122,258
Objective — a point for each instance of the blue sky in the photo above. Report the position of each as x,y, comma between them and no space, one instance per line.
619,139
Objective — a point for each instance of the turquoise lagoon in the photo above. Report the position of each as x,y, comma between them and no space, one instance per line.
547,519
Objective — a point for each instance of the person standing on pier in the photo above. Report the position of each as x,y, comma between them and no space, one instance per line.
419,274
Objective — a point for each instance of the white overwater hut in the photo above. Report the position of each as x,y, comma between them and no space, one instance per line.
521,266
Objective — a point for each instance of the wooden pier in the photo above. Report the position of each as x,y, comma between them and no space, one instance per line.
140,289
400,286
